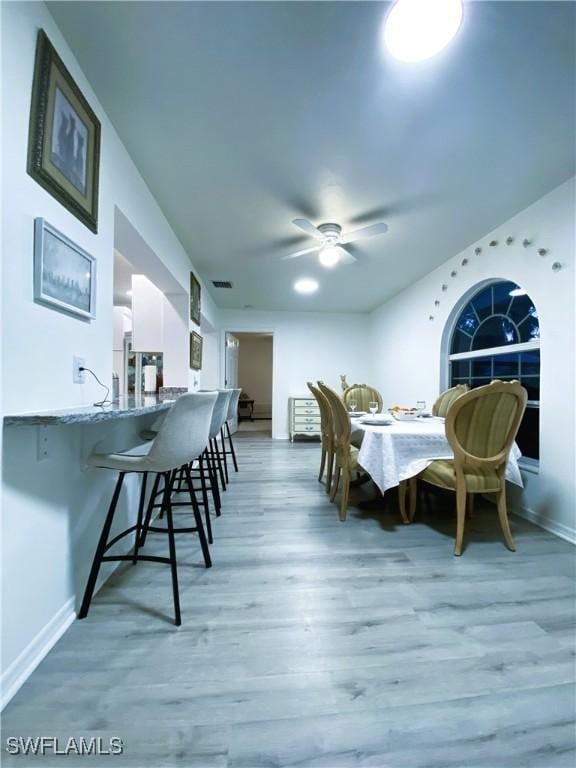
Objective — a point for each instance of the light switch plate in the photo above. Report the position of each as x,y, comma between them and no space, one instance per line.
77,374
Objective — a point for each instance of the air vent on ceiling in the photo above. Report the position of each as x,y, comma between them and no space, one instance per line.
221,283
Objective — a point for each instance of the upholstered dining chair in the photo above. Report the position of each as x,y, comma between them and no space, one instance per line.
327,435
345,454
446,398
363,395
481,426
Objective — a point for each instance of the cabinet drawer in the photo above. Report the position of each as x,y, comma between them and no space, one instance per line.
301,429
301,402
301,410
300,421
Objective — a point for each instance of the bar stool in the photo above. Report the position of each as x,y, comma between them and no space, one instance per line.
232,412
219,416
182,436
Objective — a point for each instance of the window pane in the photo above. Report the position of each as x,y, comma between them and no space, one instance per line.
482,367
529,329
530,362
460,342
468,320
460,369
502,298
483,303
495,332
522,306
506,365
532,384
528,434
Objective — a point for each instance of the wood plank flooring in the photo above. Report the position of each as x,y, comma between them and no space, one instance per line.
316,643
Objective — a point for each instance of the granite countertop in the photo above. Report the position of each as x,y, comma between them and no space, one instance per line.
127,406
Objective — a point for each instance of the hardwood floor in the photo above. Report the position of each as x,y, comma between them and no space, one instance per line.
318,643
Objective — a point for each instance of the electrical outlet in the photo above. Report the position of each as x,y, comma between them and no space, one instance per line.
77,374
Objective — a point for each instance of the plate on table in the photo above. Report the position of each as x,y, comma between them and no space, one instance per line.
404,414
355,414
377,420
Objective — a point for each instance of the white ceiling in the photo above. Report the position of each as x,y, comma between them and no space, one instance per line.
241,116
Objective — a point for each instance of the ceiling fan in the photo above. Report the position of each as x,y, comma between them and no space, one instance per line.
332,241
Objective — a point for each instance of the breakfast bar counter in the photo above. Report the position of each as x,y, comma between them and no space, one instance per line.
128,406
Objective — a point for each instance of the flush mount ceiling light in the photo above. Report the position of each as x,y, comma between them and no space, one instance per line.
306,285
418,29
329,256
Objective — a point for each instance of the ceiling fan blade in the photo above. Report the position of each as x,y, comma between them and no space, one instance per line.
371,231
345,256
301,253
308,227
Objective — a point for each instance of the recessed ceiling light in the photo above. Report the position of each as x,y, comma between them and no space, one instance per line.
128,293
329,256
418,29
305,285
517,292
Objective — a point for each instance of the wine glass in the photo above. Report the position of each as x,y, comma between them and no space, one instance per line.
373,407
352,405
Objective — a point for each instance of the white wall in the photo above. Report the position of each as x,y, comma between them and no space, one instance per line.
255,370
307,346
53,510
407,344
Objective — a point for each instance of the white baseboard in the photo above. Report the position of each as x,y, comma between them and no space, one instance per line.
558,529
23,665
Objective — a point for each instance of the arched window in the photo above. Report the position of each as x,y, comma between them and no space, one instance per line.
497,336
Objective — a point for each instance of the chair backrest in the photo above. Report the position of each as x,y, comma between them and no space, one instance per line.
185,431
446,398
220,411
326,422
482,423
363,394
233,404
340,419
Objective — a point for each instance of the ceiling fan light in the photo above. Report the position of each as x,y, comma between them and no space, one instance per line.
329,256
415,30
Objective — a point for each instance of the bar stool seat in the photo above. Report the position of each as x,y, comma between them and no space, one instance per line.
181,438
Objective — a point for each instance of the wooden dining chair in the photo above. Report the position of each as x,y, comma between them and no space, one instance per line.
345,454
363,395
481,426
327,435
446,398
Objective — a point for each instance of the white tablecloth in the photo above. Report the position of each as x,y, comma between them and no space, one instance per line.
393,453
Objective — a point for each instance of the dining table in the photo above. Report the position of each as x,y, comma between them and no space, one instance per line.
392,451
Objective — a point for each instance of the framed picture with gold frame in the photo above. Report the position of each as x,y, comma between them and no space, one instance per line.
195,351
64,137
195,296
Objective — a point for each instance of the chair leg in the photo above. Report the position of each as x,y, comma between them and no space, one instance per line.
330,471
231,444
140,518
205,499
198,520
322,463
345,494
150,510
413,489
402,501
100,549
224,454
335,483
503,515
470,505
218,462
213,482
460,517
168,479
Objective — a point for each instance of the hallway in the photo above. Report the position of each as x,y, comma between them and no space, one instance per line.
316,643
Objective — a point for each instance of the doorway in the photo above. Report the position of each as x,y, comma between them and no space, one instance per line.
249,359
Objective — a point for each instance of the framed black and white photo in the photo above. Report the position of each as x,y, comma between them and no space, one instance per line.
64,273
195,351
195,299
64,137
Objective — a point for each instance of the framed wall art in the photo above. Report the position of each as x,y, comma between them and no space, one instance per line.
64,137
195,298
64,274
195,351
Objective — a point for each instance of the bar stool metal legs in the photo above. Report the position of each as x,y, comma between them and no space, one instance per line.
232,452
